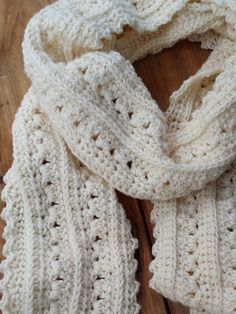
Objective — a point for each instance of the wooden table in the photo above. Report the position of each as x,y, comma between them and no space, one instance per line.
162,74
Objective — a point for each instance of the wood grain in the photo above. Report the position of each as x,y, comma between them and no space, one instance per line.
162,74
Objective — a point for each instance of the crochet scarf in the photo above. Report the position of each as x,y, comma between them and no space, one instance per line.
88,126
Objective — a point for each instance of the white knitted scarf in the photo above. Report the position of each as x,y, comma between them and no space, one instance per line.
88,126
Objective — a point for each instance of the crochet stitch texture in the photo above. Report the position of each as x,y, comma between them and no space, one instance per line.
87,126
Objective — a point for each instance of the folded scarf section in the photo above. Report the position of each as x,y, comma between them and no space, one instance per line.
88,126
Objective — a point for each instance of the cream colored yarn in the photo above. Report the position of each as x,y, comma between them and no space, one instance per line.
88,125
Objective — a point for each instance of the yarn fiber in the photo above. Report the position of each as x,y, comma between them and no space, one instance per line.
88,126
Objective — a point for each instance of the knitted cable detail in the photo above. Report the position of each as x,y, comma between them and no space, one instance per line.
87,126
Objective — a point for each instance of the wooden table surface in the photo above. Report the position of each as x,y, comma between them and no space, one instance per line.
162,74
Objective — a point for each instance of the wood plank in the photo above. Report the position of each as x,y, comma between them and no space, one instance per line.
162,74
14,15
